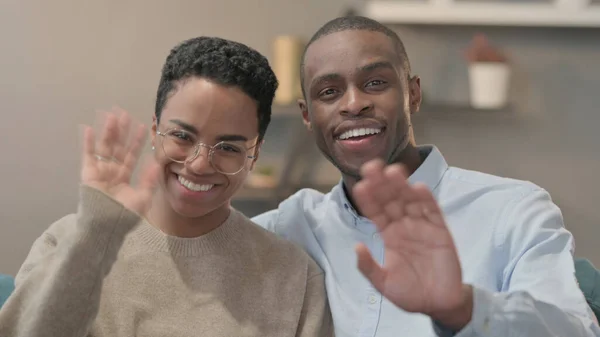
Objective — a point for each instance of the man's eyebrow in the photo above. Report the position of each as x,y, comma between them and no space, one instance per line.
325,78
367,68
377,65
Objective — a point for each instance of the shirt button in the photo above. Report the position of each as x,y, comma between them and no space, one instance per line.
486,325
376,236
372,299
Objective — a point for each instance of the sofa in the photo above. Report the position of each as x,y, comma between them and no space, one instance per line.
7,285
586,273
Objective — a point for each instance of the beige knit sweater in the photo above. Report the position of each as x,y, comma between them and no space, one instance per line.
105,272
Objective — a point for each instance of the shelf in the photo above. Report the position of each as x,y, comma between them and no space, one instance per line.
435,110
291,110
455,114
251,193
248,193
483,14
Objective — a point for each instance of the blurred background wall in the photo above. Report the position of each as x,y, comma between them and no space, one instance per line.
62,60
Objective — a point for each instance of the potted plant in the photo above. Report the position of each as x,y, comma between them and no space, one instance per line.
262,177
489,74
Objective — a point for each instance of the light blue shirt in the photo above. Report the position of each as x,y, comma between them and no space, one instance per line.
511,242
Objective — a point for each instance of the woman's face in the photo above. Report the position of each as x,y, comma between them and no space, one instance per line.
202,111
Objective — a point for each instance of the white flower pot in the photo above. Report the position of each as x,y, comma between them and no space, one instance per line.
489,84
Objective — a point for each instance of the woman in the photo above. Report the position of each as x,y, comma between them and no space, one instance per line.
170,257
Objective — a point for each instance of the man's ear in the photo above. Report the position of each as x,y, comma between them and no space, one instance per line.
415,96
305,115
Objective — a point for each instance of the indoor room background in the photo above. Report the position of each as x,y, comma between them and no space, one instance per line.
63,60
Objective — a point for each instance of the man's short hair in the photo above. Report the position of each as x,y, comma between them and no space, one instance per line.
356,23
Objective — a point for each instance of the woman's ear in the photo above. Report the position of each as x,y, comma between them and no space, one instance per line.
153,130
256,154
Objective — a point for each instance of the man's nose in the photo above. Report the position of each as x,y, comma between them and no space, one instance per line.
356,102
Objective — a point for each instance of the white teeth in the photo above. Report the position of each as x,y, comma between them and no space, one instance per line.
359,132
194,187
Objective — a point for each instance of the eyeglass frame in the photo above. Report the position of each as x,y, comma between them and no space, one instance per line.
210,151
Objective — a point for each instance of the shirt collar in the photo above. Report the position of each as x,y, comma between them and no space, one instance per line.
432,169
429,173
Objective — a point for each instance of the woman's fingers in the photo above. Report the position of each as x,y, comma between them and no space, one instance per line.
122,139
132,154
110,159
108,137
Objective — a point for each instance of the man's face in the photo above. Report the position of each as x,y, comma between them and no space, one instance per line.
358,98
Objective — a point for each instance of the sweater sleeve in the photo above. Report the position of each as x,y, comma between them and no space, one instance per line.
57,289
315,318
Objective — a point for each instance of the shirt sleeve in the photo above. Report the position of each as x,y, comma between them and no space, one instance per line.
267,220
540,296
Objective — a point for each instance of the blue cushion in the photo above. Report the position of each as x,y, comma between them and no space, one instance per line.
589,282
7,286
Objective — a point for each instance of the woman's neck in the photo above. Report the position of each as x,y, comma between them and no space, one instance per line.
163,217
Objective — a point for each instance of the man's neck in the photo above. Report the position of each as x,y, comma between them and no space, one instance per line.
410,158
163,217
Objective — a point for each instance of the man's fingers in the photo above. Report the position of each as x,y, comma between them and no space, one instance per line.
363,196
382,190
373,173
370,268
371,178
430,207
372,168
396,178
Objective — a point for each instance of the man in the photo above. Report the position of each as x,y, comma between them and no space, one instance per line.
464,253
